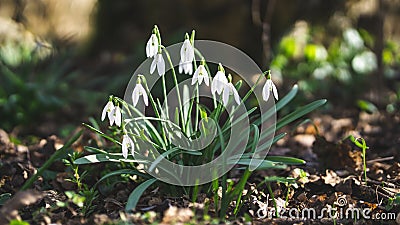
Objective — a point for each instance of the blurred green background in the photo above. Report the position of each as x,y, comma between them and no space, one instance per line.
60,59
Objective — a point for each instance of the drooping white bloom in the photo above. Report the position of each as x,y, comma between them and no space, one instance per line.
152,46
108,108
219,82
187,56
199,75
116,116
185,67
268,87
127,144
229,89
158,62
137,92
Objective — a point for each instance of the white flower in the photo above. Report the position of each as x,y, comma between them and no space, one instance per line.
152,46
200,74
229,89
219,82
137,92
160,63
127,144
108,108
187,56
268,87
116,116
185,67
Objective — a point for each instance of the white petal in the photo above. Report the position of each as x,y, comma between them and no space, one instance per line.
265,91
135,95
275,91
118,116
153,65
152,44
213,86
125,143
105,110
132,147
235,94
200,79
195,76
189,69
110,109
111,116
181,67
225,96
207,80
145,98
148,48
220,81
160,65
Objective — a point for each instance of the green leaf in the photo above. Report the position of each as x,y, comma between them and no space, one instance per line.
265,164
366,106
134,197
18,222
286,160
171,151
299,113
279,179
95,150
96,158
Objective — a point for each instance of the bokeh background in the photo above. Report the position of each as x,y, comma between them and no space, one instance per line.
60,59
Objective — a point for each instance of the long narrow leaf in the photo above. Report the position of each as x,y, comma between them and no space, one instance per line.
135,195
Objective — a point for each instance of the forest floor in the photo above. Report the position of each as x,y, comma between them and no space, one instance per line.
332,178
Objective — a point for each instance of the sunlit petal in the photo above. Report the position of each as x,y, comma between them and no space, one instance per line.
275,91
132,147
206,79
153,65
265,91
111,116
152,46
135,95
225,96
118,116
160,64
235,94
125,143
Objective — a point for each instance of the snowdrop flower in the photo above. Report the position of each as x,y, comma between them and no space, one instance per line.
187,56
201,74
219,81
158,62
127,144
152,46
268,87
116,116
229,89
137,92
108,108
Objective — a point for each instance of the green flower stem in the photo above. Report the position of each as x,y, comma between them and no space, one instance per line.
153,104
197,108
176,85
165,95
197,52
273,199
50,161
